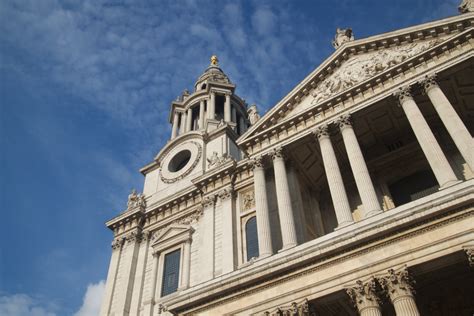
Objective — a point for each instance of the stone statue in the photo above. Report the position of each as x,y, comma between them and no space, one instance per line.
342,36
466,6
215,160
253,114
136,200
214,60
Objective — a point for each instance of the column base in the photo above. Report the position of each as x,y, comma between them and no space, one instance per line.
372,213
448,184
342,225
287,247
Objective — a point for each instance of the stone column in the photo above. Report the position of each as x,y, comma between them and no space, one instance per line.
261,205
333,175
227,110
140,273
399,288
285,209
111,276
234,115
182,125
364,297
201,114
362,178
186,264
174,131
206,232
243,127
435,156
211,111
226,197
189,120
451,120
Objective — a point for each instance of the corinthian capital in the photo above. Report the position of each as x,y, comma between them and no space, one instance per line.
403,94
397,283
429,82
257,162
364,294
321,132
208,200
344,121
226,193
117,243
277,153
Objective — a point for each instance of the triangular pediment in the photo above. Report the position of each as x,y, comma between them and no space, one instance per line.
173,232
355,63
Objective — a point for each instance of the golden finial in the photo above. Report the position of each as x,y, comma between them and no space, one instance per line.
214,60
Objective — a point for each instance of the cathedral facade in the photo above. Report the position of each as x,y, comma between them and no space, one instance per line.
353,195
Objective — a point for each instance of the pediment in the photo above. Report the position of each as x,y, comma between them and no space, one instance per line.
355,63
172,235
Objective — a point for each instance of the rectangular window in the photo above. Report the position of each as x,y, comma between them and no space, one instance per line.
171,273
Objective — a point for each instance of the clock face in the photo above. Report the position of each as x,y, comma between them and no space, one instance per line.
180,161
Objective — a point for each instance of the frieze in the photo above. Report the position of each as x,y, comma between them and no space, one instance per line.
362,67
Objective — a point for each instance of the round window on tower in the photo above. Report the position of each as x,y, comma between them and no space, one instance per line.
179,161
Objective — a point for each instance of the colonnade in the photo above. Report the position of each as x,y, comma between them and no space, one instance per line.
365,187
183,119
396,284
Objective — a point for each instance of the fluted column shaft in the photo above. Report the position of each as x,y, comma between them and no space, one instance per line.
399,288
285,209
212,106
201,114
227,110
174,131
334,178
261,205
189,120
435,156
362,178
451,120
226,197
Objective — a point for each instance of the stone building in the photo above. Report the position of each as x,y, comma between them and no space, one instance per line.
352,195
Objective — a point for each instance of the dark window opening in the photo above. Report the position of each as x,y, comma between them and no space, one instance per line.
251,238
203,86
179,160
220,100
171,273
412,187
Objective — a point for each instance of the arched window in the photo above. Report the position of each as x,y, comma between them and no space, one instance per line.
251,238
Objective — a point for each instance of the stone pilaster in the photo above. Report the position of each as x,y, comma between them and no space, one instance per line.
362,178
140,273
365,298
211,109
334,178
206,233
149,301
435,156
189,120
186,265
285,209
182,124
261,205
112,276
226,196
451,120
399,288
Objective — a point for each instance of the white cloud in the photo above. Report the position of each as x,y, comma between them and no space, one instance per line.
92,300
23,305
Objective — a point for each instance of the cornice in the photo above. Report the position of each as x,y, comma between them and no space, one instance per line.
311,115
381,41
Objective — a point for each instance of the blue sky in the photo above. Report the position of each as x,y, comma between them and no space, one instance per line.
85,88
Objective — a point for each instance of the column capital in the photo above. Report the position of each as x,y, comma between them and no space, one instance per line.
364,294
117,243
226,194
344,121
208,200
469,250
403,94
397,283
321,132
257,162
277,153
134,236
429,81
